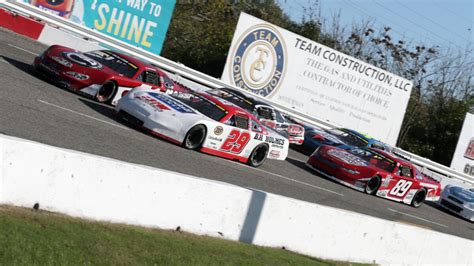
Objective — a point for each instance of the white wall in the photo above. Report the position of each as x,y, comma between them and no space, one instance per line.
463,158
51,35
99,188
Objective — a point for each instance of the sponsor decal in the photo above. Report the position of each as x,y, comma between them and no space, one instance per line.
81,59
259,60
382,193
218,130
274,154
215,139
176,105
158,106
386,181
269,139
346,157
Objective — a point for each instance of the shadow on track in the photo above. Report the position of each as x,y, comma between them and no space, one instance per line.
103,109
28,68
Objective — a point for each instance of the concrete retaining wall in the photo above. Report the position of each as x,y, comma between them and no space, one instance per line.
95,187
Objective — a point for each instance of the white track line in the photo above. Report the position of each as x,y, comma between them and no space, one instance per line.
81,114
19,48
416,217
287,178
3,60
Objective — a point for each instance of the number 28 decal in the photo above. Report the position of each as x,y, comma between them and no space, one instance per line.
236,141
401,188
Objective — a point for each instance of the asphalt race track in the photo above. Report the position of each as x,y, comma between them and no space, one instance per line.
34,109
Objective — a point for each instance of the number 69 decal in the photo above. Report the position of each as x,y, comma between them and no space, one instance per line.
236,141
401,188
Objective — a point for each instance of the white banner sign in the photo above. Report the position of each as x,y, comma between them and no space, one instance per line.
312,78
463,159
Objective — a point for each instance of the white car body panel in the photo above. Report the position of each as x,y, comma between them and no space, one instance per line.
172,119
458,200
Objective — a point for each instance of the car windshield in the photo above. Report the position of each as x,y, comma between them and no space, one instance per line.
348,138
233,98
375,159
202,104
279,118
114,62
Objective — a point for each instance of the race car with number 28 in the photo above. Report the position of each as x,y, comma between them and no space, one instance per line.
103,74
375,172
202,122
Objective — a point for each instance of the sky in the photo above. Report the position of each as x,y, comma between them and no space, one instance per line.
444,23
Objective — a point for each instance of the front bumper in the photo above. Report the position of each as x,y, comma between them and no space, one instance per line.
56,73
450,204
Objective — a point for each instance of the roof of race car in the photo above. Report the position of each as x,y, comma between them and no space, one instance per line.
138,62
230,107
392,157
250,100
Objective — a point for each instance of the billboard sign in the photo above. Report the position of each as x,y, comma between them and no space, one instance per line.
317,80
463,158
141,23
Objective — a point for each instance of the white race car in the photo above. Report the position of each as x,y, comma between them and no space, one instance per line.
458,200
199,121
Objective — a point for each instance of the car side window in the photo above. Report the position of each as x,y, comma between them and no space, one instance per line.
150,77
404,171
239,121
255,126
265,113
377,146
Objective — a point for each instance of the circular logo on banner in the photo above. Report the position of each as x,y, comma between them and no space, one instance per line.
82,60
258,61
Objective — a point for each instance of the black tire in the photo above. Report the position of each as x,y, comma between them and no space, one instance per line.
373,185
419,198
258,155
195,137
107,92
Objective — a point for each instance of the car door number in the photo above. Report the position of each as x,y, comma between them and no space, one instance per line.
236,141
401,188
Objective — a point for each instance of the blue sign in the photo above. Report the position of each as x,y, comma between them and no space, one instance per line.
141,23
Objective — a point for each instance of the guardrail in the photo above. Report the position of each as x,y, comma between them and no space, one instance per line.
199,77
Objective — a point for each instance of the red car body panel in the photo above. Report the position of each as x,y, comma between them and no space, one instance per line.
81,72
354,171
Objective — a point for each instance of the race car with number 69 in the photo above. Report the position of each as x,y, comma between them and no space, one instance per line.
202,122
375,172
105,75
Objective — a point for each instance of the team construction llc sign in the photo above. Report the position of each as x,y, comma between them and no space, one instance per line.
140,23
315,79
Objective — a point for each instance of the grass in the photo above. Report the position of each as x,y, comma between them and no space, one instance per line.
35,237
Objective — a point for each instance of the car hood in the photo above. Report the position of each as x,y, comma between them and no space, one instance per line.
81,62
462,194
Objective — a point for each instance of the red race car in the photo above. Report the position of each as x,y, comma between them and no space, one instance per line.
103,74
375,172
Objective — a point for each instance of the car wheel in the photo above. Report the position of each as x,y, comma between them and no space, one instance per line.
373,185
258,155
107,92
419,198
195,137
